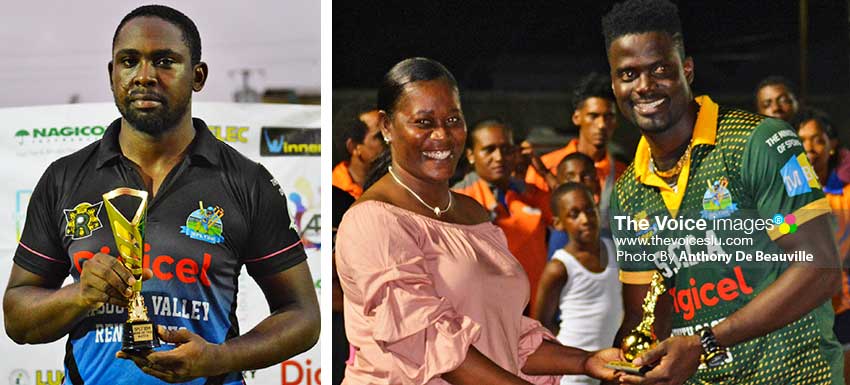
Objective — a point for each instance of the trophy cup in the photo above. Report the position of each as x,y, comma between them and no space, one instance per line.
641,338
139,332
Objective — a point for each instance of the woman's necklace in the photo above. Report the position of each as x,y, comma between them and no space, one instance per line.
437,211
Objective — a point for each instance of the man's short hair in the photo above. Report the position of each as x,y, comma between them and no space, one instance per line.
641,16
190,32
488,122
349,124
819,116
565,189
577,157
594,85
776,80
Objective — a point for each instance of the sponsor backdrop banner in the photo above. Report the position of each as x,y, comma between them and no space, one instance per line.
284,138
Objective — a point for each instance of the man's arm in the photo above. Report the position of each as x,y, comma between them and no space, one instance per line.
797,291
292,328
31,299
800,289
529,157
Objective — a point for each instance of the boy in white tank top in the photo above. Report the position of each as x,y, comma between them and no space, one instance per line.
581,279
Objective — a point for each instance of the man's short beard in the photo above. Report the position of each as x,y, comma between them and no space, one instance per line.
153,124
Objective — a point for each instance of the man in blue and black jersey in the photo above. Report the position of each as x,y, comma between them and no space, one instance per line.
191,269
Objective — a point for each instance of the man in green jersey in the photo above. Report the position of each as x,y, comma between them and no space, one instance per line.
709,187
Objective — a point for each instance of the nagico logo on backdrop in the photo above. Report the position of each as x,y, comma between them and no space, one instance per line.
282,141
59,134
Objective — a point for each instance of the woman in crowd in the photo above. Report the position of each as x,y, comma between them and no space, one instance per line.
432,294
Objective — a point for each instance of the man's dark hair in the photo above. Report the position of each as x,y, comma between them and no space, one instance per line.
190,32
488,122
593,85
825,122
821,117
348,122
641,16
774,80
577,156
567,188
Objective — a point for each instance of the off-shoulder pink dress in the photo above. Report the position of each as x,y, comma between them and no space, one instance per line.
419,291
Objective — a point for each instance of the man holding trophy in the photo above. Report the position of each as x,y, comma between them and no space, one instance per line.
158,199
709,189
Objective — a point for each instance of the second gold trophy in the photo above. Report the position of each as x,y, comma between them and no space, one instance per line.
641,338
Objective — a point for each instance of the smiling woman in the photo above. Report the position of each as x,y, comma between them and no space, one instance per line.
417,263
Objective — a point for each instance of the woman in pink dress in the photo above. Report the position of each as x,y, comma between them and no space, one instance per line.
432,294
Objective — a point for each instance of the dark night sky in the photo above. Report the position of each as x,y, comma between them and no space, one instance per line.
529,46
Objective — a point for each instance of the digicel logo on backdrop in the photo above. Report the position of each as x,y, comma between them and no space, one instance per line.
165,267
709,294
295,373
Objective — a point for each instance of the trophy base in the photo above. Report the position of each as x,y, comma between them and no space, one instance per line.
139,337
628,367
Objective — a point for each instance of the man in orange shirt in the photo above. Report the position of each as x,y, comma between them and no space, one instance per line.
519,209
363,142
595,114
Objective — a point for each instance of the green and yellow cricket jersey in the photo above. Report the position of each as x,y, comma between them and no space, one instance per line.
711,235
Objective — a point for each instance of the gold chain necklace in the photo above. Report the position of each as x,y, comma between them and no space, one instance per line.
437,211
677,168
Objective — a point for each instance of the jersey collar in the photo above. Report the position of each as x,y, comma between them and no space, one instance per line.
705,133
202,150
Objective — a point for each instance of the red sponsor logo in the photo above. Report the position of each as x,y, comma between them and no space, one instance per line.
294,373
165,267
693,298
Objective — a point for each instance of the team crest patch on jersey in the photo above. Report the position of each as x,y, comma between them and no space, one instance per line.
82,221
717,201
648,233
204,224
798,176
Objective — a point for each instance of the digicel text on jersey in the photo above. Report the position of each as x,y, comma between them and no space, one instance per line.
186,270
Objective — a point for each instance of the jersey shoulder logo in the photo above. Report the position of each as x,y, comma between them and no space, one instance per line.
82,220
798,176
204,224
717,201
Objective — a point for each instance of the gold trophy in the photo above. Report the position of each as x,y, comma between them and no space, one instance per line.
641,338
139,331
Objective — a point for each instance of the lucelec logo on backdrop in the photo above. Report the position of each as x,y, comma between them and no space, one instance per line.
42,377
19,377
230,134
282,141
59,134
